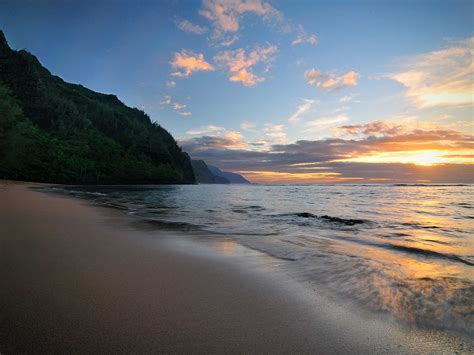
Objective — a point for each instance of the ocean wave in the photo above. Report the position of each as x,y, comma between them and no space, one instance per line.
463,205
419,225
247,209
80,193
431,185
428,253
250,208
329,219
171,225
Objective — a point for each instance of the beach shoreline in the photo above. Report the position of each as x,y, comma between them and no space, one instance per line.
87,279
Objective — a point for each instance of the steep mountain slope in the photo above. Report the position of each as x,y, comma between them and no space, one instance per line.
204,175
233,178
54,131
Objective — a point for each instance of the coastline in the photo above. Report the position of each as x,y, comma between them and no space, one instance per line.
81,278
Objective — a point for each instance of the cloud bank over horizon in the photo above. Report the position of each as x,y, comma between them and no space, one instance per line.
373,152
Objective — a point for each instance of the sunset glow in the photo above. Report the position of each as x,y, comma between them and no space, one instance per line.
425,157
265,88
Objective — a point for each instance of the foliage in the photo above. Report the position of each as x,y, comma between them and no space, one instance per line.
54,131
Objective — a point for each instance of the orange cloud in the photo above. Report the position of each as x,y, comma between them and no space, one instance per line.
246,78
212,137
350,78
328,81
226,14
372,128
178,106
188,63
303,37
240,64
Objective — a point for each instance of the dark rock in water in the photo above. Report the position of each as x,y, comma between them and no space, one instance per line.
306,215
348,222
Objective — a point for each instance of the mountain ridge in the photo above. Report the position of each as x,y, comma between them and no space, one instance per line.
210,174
204,175
233,178
60,132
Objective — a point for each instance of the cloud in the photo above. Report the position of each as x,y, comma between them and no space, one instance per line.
374,128
346,98
246,78
205,130
185,113
215,138
226,15
168,101
326,121
303,37
178,106
270,127
229,41
376,151
274,133
247,126
171,84
189,27
440,78
212,137
302,109
276,137
205,143
375,140
329,81
189,62
240,65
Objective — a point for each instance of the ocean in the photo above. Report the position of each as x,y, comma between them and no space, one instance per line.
404,251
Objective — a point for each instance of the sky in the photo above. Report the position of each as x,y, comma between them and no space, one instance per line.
280,91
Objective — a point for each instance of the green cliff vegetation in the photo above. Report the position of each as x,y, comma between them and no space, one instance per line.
53,131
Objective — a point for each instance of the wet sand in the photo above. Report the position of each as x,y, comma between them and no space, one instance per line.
75,278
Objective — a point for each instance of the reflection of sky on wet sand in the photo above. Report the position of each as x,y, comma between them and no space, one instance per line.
227,246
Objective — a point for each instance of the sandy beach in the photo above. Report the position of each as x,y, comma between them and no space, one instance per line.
76,278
